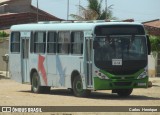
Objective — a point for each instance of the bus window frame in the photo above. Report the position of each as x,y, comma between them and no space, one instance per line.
13,52
81,44
69,43
47,43
32,42
37,42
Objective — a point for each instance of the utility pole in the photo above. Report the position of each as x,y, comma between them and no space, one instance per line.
79,6
67,9
37,12
106,8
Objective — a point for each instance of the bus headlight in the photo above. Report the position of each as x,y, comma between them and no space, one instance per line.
142,75
101,75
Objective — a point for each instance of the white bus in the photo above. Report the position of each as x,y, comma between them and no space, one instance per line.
80,56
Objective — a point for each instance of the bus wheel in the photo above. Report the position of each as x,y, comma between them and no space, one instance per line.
35,86
124,92
78,88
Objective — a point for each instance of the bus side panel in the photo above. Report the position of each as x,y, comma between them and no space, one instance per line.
15,67
51,69
65,66
38,62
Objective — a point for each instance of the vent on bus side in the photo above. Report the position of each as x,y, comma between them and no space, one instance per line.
43,22
66,21
54,22
78,21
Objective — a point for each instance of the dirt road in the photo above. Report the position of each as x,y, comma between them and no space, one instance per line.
16,94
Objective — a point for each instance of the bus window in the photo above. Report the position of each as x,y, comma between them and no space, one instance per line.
64,42
15,42
77,42
51,42
39,42
32,43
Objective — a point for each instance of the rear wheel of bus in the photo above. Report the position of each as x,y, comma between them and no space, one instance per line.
78,88
35,86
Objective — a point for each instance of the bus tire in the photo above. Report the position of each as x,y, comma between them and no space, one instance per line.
124,92
35,86
78,88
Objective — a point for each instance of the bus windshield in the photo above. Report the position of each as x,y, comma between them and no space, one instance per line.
131,50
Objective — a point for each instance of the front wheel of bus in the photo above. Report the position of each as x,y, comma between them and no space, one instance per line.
124,92
78,88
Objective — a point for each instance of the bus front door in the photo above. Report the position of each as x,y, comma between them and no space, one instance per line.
25,37
89,61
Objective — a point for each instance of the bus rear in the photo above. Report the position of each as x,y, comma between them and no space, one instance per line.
120,58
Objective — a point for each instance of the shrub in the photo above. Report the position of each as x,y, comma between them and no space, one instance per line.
3,34
155,45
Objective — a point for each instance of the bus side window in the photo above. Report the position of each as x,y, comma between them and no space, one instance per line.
15,42
51,42
39,42
64,42
32,43
77,42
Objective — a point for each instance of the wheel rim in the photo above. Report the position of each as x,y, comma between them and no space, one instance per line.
79,86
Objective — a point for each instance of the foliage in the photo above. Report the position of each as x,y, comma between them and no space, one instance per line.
155,44
93,11
85,14
3,34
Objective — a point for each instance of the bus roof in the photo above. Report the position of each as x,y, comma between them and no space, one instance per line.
64,26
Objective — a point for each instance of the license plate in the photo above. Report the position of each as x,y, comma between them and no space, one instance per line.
142,84
116,61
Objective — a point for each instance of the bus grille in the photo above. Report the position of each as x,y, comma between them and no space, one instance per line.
122,83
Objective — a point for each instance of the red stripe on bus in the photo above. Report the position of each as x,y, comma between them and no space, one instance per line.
41,68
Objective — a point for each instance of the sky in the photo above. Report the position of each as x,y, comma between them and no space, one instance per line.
139,10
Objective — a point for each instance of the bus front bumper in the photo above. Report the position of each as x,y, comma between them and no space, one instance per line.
109,84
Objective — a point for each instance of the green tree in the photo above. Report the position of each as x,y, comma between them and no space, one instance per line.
85,14
102,13
94,11
155,44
